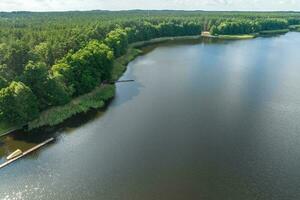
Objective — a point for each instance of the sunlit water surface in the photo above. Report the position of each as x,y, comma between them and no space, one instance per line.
205,121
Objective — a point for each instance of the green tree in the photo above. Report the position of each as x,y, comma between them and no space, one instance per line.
43,53
85,69
44,87
214,30
3,82
118,41
17,56
17,103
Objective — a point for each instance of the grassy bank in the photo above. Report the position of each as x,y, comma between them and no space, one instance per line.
236,37
121,62
274,32
95,99
58,114
251,36
229,37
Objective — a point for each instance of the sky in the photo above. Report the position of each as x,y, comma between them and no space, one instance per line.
62,5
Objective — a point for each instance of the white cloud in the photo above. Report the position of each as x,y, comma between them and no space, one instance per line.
59,5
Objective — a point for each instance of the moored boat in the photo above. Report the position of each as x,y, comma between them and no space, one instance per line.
14,154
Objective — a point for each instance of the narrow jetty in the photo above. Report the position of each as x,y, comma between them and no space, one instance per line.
124,81
26,152
9,131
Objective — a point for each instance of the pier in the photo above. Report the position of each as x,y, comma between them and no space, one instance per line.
124,81
26,152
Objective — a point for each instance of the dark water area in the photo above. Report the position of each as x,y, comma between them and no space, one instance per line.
206,120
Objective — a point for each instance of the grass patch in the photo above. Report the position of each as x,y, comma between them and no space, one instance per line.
83,103
274,32
120,63
236,37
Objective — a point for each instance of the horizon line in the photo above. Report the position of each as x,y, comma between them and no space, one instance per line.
120,10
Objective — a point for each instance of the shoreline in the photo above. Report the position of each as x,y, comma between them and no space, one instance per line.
9,131
162,40
120,66
274,32
251,36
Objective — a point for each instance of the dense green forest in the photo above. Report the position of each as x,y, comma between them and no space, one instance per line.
47,59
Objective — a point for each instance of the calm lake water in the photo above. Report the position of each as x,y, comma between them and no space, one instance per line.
205,121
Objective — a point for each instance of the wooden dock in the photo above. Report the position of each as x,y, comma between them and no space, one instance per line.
26,152
9,131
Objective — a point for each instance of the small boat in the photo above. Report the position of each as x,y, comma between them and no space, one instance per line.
14,154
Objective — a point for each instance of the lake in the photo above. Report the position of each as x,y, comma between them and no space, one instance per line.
204,120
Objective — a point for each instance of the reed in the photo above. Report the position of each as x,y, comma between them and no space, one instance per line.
56,115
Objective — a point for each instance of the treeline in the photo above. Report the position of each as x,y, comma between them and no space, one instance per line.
46,59
248,26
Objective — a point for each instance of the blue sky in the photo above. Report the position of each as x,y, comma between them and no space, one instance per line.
60,5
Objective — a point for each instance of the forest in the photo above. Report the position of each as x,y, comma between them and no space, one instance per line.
48,59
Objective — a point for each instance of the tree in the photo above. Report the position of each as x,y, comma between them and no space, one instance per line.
17,56
43,53
83,70
118,41
57,92
214,30
64,74
17,103
44,88
3,82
